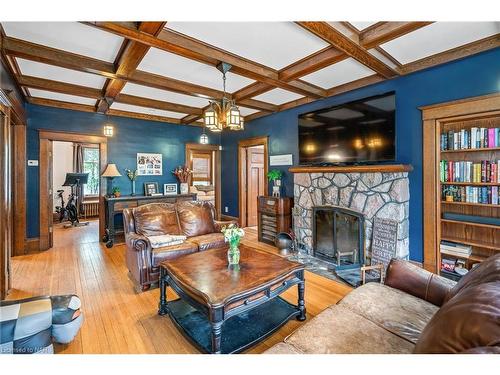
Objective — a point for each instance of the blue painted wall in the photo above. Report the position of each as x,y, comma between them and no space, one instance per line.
131,136
473,76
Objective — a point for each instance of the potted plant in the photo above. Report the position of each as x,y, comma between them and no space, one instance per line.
116,192
275,175
233,235
183,174
132,175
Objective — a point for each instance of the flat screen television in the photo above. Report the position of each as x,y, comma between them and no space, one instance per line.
359,132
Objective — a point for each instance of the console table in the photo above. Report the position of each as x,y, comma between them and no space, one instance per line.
115,206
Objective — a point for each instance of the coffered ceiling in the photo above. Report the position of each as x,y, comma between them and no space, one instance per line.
166,71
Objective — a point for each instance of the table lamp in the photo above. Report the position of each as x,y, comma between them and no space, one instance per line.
110,173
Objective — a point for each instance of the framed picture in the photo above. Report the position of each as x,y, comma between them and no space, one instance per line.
150,188
149,164
169,189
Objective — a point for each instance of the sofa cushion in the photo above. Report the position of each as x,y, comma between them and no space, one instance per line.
392,309
195,218
339,330
169,252
470,320
487,271
209,241
156,219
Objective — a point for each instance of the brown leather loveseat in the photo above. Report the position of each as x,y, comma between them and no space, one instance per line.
195,220
414,312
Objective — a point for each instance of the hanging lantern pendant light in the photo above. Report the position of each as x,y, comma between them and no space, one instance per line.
223,114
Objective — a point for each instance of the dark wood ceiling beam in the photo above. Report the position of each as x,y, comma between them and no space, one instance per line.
328,33
252,90
158,104
257,104
466,50
35,52
312,63
128,61
191,48
88,92
387,31
60,87
61,104
307,65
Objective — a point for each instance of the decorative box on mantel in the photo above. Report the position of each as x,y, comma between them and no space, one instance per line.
373,190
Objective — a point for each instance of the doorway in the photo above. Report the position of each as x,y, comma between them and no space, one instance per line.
88,146
205,162
252,170
72,157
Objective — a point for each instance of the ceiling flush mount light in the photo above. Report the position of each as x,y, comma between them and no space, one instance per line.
223,113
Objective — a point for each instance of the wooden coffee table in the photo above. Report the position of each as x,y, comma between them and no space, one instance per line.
227,310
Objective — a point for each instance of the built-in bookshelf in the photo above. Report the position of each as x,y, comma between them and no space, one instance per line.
468,205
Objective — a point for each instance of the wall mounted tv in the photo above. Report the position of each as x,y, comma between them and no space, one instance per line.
363,131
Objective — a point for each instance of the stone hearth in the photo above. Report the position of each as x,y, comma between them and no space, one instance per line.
379,194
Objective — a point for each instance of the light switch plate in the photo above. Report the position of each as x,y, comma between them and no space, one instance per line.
33,163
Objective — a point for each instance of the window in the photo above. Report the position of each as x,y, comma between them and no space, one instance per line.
91,166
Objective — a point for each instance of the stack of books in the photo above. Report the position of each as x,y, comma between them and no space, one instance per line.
455,249
470,139
472,194
468,171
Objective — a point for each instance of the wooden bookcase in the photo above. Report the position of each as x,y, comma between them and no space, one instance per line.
483,238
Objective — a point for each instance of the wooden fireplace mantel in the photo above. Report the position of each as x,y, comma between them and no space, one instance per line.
388,168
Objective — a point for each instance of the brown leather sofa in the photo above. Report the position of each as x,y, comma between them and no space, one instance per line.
195,220
414,312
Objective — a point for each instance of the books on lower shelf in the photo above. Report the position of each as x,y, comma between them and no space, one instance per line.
471,194
473,138
468,171
456,249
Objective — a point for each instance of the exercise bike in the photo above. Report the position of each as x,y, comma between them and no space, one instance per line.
70,211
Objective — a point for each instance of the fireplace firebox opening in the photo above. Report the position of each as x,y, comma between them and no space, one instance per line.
338,236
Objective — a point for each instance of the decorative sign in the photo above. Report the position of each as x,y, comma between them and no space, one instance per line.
149,164
286,159
384,241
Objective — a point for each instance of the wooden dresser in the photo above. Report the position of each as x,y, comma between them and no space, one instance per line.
115,206
274,216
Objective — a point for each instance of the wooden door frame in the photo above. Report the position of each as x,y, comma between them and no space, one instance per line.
242,172
5,200
432,118
46,136
218,173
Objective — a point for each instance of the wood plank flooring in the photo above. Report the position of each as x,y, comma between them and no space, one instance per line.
118,320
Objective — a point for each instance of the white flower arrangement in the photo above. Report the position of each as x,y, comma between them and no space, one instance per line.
232,234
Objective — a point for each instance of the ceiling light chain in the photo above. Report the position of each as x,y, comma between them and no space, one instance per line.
224,113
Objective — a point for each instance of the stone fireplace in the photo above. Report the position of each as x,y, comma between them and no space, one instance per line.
370,195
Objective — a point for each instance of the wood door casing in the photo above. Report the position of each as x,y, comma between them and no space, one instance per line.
201,150
45,169
255,181
243,145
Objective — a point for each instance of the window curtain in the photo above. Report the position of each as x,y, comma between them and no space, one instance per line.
78,168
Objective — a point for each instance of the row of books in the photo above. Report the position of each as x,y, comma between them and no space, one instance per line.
469,171
471,194
470,139
454,248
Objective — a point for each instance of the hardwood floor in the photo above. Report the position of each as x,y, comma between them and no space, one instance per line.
118,320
